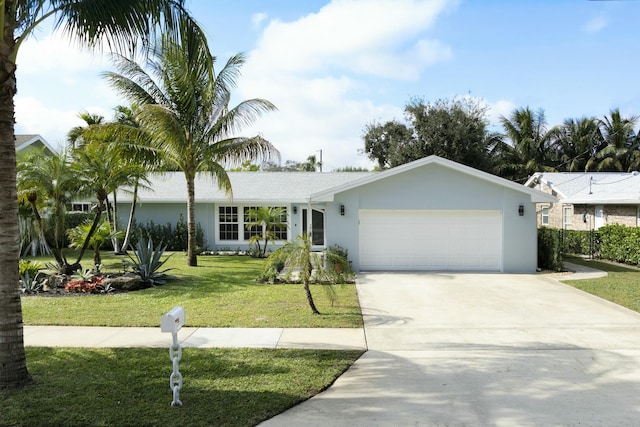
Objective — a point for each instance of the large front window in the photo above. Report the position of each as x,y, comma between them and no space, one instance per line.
233,224
228,222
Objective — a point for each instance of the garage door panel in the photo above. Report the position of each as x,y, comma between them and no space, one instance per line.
430,240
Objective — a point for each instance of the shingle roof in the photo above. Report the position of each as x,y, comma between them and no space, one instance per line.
21,139
593,187
248,187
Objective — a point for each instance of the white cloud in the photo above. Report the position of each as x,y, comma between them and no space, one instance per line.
595,24
257,19
499,109
325,70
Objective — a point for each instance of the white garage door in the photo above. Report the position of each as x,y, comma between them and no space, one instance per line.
431,240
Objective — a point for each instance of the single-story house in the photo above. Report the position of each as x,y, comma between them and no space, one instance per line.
588,200
31,142
430,214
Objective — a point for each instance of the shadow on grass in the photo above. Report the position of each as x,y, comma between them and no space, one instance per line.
131,386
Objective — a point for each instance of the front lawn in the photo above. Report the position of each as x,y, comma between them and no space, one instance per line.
621,286
130,387
220,292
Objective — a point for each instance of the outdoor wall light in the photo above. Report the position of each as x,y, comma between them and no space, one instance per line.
342,210
295,210
521,210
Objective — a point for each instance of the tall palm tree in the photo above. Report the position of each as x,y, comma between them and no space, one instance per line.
620,143
532,141
115,24
99,171
50,179
184,110
578,142
75,137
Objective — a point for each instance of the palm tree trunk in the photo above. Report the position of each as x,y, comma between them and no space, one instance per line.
85,245
114,225
13,362
307,292
192,259
134,201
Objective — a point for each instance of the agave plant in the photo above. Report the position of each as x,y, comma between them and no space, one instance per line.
147,262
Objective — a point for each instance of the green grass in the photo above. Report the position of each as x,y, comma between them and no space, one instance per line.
130,387
621,286
220,292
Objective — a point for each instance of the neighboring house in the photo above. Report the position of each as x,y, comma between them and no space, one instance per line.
28,143
588,200
430,214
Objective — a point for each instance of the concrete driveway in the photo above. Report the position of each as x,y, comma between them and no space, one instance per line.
483,350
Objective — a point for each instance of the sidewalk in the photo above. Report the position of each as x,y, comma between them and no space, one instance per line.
96,336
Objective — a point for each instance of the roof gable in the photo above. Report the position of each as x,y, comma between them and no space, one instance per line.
26,140
536,196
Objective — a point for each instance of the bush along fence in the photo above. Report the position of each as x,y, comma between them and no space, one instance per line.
614,242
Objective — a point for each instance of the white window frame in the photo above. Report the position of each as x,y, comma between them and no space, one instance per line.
567,214
240,222
544,215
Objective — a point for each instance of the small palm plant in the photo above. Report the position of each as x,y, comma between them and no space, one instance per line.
100,236
298,255
268,220
147,262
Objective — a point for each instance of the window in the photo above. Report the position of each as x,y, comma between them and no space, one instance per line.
80,207
545,215
566,216
231,223
255,230
228,222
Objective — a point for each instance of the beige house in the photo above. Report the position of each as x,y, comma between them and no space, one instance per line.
588,200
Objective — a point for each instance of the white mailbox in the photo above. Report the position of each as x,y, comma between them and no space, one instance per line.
173,320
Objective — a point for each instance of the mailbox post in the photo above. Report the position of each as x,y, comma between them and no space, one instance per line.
172,322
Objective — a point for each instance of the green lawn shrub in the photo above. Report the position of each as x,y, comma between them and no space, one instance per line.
579,242
175,238
620,243
549,249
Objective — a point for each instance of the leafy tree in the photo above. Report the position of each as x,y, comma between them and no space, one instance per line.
116,24
184,110
454,129
311,165
266,220
577,144
351,169
621,144
381,141
531,141
75,137
246,166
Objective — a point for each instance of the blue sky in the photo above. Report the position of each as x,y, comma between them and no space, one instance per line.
331,67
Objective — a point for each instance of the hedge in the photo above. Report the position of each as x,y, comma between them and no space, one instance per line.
620,243
549,249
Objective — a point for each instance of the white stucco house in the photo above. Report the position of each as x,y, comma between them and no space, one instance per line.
430,214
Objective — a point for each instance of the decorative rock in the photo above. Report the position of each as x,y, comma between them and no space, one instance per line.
128,282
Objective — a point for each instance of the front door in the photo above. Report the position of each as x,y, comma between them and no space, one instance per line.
317,226
599,221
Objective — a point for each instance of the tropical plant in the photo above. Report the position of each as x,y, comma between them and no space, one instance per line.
116,24
184,110
577,144
101,235
29,272
147,262
49,180
264,221
621,144
531,141
299,258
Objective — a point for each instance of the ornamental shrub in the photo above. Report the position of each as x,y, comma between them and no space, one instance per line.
549,249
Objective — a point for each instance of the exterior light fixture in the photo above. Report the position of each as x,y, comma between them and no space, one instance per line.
342,210
521,210
295,210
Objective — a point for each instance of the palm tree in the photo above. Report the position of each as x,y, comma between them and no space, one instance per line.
75,137
99,171
619,153
102,234
118,25
298,254
532,142
578,142
51,180
184,110
265,221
